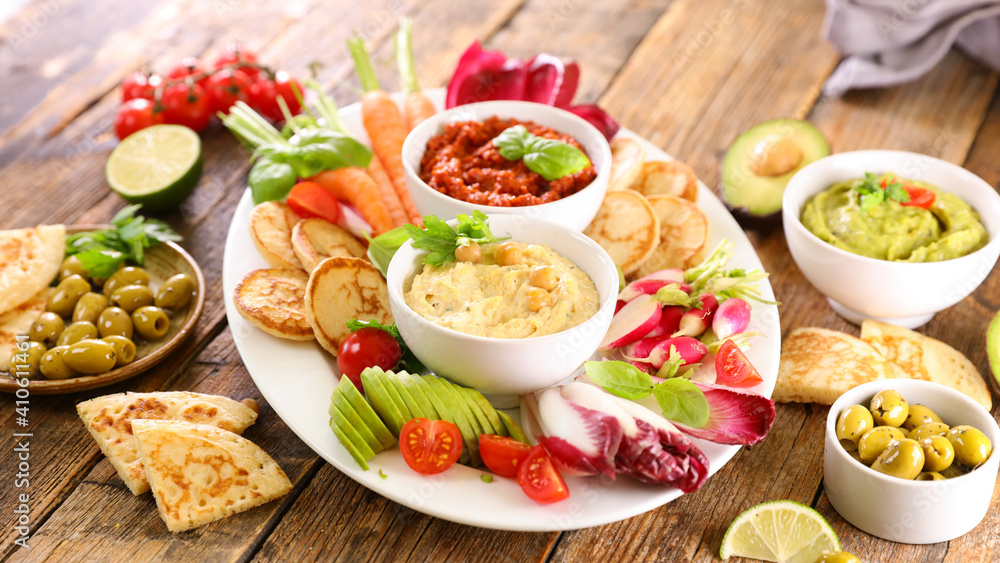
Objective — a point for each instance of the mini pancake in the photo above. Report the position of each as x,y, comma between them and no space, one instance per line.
29,260
17,322
668,178
818,365
273,300
627,156
315,240
200,473
685,235
923,357
343,288
627,227
271,230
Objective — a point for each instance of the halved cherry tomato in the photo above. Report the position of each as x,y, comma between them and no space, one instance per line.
430,446
539,478
309,199
502,455
732,368
187,105
365,348
919,197
227,86
134,115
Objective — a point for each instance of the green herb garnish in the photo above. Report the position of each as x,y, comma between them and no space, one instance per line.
382,248
440,239
382,474
101,252
407,362
679,399
873,194
549,158
486,478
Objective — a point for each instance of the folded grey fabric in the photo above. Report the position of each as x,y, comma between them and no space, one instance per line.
889,42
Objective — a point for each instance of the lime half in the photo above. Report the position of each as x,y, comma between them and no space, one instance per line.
158,166
781,530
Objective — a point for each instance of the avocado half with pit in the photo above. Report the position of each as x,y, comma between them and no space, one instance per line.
759,164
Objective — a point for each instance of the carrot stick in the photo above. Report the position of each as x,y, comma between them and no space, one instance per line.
387,192
354,185
417,106
385,126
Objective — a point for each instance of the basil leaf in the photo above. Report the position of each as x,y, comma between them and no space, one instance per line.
619,378
270,181
555,159
682,402
512,142
382,248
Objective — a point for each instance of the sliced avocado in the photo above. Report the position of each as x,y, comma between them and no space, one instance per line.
349,437
513,428
390,390
489,410
759,164
463,407
456,409
443,412
993,346
365,411
409,382
411,404
381,401
341,403
475,408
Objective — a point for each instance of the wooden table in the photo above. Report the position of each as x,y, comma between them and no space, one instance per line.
688,75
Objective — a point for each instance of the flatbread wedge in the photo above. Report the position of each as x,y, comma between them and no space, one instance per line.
818,365
109,420
626,226
273,300
685,235
200,473
271,225
671,177
923,357
17,322
343,288
627,156
315,240
29,260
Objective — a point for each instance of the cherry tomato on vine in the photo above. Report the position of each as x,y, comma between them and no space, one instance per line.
186,67
502,455
539,478
187,105
264,95
309,199
139,85
430,446
226,87
367,347
134,115
238,54
732,368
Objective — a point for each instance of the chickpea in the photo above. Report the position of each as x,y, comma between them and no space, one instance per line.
543,277
509,254
538,299
469,253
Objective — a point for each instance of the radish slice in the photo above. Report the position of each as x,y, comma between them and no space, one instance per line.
670,322
649,284
634,321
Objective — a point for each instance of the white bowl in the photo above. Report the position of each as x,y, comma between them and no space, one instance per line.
905,294
910,511
574,211
499,367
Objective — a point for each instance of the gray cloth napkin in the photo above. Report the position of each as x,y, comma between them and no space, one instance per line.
889,42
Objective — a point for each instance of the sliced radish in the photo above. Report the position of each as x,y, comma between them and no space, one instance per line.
670,322
634,321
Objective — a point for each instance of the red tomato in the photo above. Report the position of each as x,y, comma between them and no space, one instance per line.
367,347
919,197
309,199
539,479
732,368
264,95
139,85
134,115
186,105
502,455
237,54
430,446
226,87
187,67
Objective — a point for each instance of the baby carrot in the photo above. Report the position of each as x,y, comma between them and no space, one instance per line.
388,193
416,106
355,186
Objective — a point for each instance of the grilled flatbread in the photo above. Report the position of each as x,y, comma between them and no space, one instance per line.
343,288
315,240
274,301
626,226
16,322
109,420
922,357
200,473
668,178
29,260
684,235
271,230
627,156
818,365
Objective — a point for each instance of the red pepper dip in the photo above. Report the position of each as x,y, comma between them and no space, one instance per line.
464,164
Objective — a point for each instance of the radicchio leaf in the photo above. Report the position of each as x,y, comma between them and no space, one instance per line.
551,80
580,434
735,417
598,118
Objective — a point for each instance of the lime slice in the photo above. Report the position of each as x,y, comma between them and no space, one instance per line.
780,530
158,166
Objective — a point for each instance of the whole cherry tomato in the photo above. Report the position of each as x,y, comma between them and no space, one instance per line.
367,347
264,95
238,55
187,105
134,115
186,67
226,87
140,85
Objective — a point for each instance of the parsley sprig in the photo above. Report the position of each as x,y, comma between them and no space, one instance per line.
440,239
873,194
101,252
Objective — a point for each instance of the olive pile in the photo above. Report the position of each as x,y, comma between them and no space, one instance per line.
909,441
89,324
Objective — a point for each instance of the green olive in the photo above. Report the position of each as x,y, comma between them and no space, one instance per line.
972,447
89,307
875,441
124,349
25,359
930,476
114,322
90,356
129,275
956,470
77,332
852,424
889,408
53,365
918,416
150,322
938,453
67,293
46,328
928,430
838,557
176,292
71,266
131,297
903,459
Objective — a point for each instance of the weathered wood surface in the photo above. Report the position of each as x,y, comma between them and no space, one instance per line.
689,75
